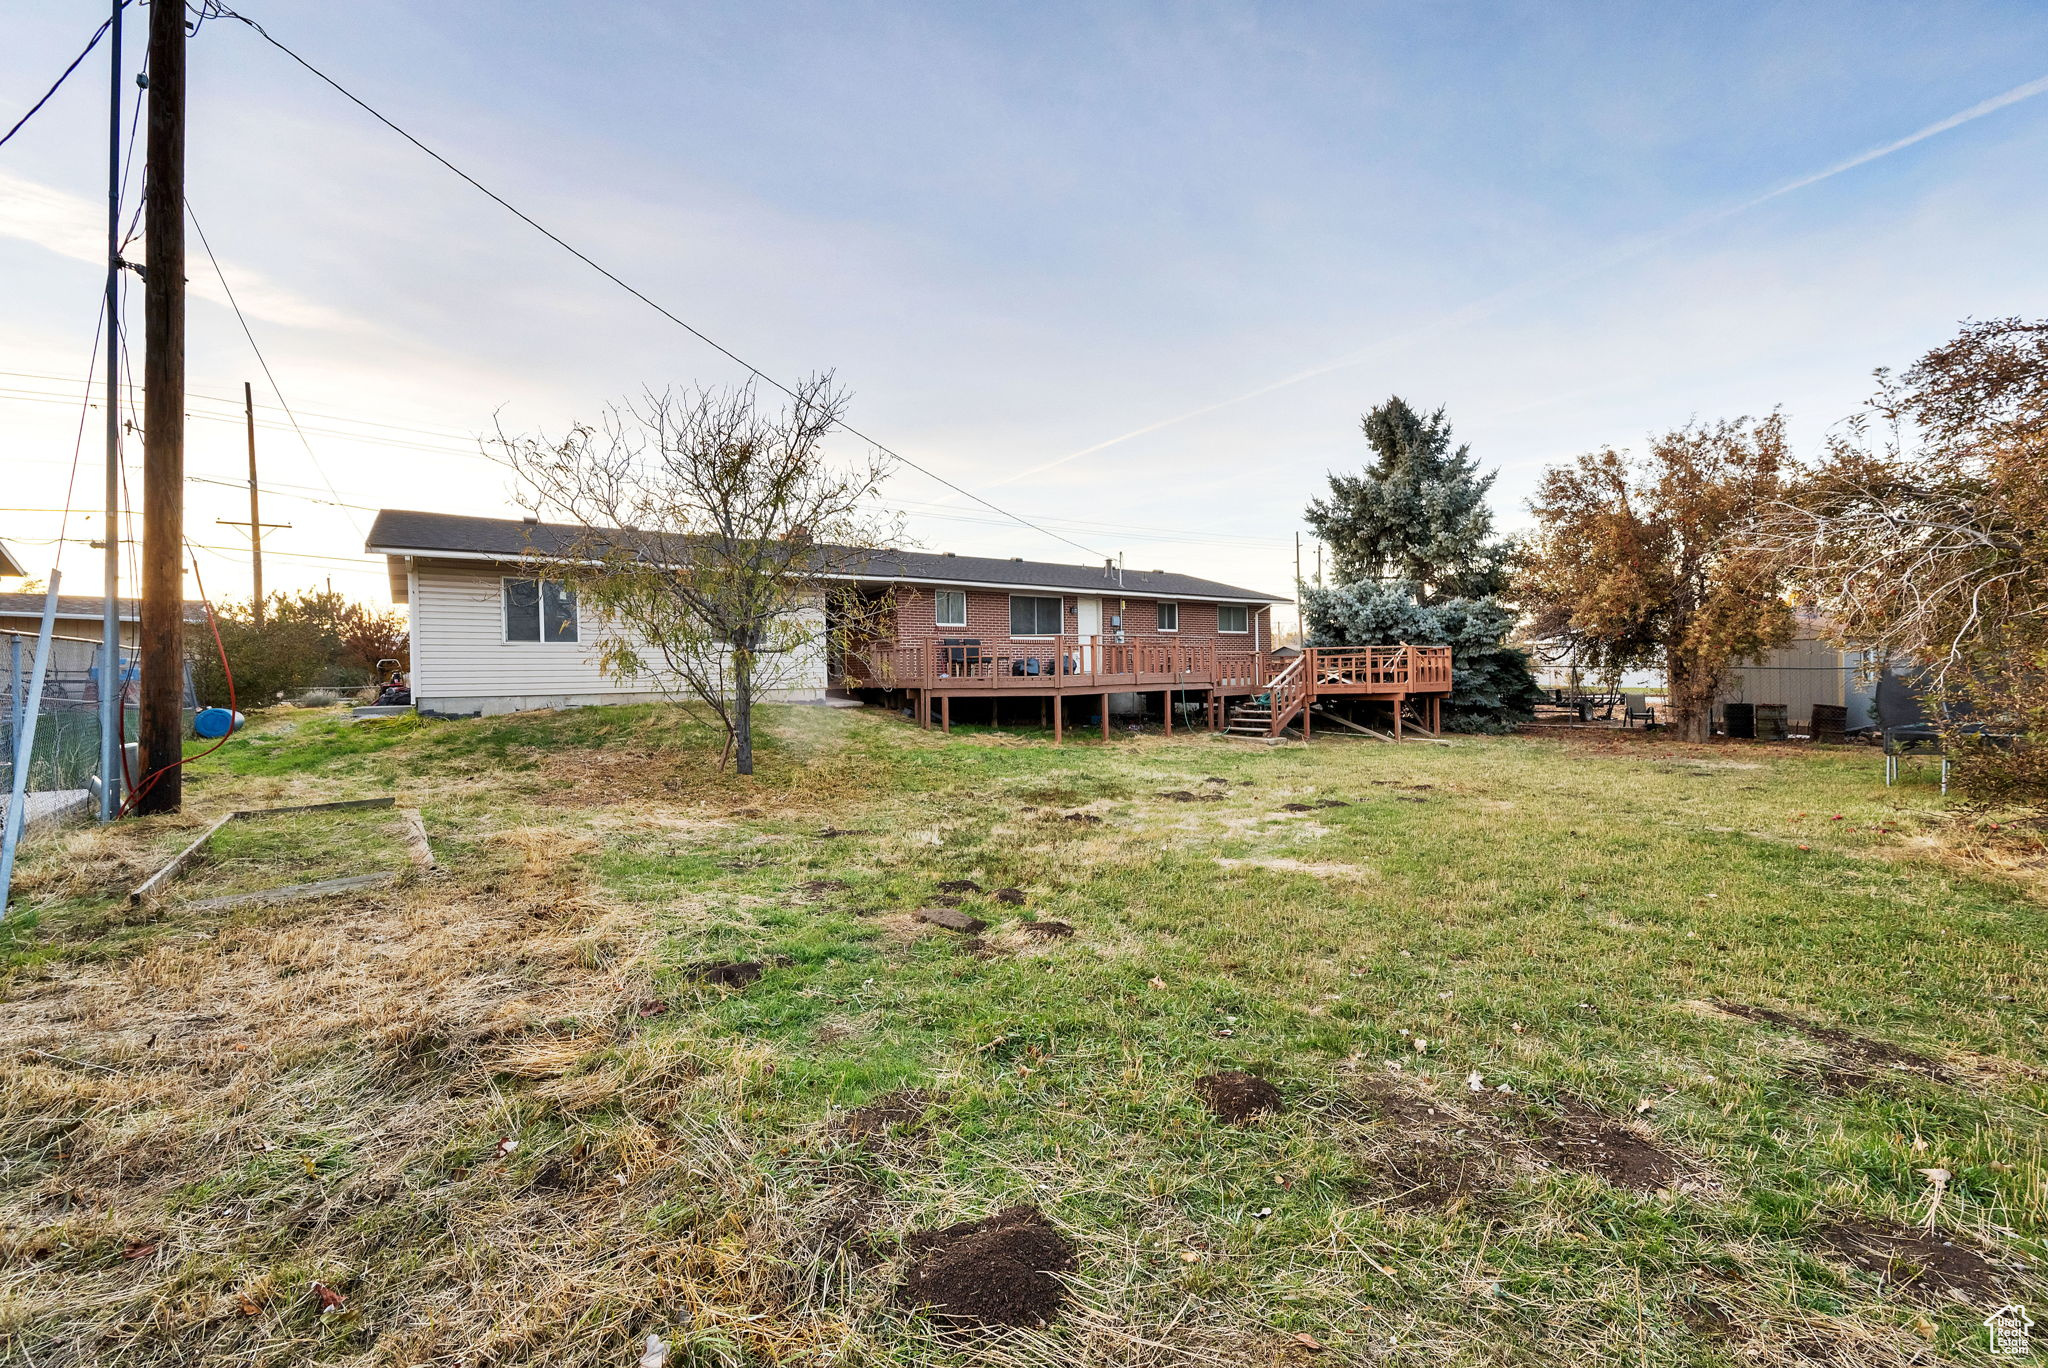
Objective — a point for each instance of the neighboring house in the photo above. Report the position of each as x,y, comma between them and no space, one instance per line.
78,615
491,635
1808,671
10,565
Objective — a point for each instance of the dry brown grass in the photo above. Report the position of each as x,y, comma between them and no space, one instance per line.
162,1102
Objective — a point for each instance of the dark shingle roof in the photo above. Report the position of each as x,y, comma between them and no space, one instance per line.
399,530
82,606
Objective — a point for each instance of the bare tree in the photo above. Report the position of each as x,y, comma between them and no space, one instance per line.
707,538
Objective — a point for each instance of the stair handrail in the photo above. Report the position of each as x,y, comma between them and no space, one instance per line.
1284,692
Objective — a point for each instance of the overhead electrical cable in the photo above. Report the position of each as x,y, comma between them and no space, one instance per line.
214,9
229,291
36,108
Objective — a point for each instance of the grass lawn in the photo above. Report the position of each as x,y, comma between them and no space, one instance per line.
1584,1052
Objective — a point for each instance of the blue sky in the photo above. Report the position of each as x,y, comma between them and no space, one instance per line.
1021,232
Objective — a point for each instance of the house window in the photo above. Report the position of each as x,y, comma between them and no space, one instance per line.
1233,617
539,610
1034,616
1169,617
950,608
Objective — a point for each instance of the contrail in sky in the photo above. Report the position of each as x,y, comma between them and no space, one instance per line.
1562,276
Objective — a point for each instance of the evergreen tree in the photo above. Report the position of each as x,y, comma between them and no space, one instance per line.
1417,562
1417,513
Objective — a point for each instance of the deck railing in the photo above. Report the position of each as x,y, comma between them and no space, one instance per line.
1081,663
1063,662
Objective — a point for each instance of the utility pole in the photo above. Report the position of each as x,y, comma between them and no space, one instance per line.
163,416
113,683
1297,560
255,523
1319,565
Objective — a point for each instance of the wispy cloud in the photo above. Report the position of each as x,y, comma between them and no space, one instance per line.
1601,261
75,227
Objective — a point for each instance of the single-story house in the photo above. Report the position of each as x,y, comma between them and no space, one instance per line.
78,615
10,564
491,634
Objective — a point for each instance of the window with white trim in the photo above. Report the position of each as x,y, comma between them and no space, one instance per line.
1233,618
1031,616
539,610
1169,617
949,608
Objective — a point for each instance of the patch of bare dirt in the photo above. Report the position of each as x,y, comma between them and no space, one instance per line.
1185,796
1081,818
1917,1261
724,973
818,888
1009,897
900,1113
1238,1097
996,1271
1574,1134
1427,1158
959,886
1856,1062
1047,930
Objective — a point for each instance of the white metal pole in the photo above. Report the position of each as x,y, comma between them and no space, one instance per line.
25,749
111,684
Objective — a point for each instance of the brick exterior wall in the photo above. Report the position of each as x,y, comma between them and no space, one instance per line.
988,618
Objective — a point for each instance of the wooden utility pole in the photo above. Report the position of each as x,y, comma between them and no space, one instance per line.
162,646
255,523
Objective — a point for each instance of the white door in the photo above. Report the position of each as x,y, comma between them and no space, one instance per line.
1088,623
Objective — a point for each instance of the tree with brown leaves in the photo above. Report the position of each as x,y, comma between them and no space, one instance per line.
1922,536
1643,564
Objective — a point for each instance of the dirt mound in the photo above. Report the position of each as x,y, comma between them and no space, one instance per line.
817,888
1857,1063
1298,807
959,886
1917,1260
1048,930
1236,1096
1184,796
1578,1135
724,973
1406,1110
1426,1176
1009,897
996,1271
834,833
901,1111
1081,818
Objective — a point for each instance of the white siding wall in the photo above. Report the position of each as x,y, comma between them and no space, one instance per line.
462,663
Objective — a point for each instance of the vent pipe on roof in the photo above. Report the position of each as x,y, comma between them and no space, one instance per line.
530,520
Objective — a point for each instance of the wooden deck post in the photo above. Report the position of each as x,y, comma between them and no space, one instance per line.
1058,707
1105,717
1307,706
1399,701
1168,696
924,708
946,713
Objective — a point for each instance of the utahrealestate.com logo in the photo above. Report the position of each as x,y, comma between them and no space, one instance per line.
2008,1326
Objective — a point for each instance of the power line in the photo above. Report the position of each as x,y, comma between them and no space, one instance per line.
260,360
34,109
214,8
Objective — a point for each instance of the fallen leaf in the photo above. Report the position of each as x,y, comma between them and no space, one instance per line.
652,1007
1475,1082
1420,1045
1189,1256
655,1354
506,1146
245,1306
138,1250
1310,1343
330,1300
1157,983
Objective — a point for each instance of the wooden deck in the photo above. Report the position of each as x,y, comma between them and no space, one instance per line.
1055,668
